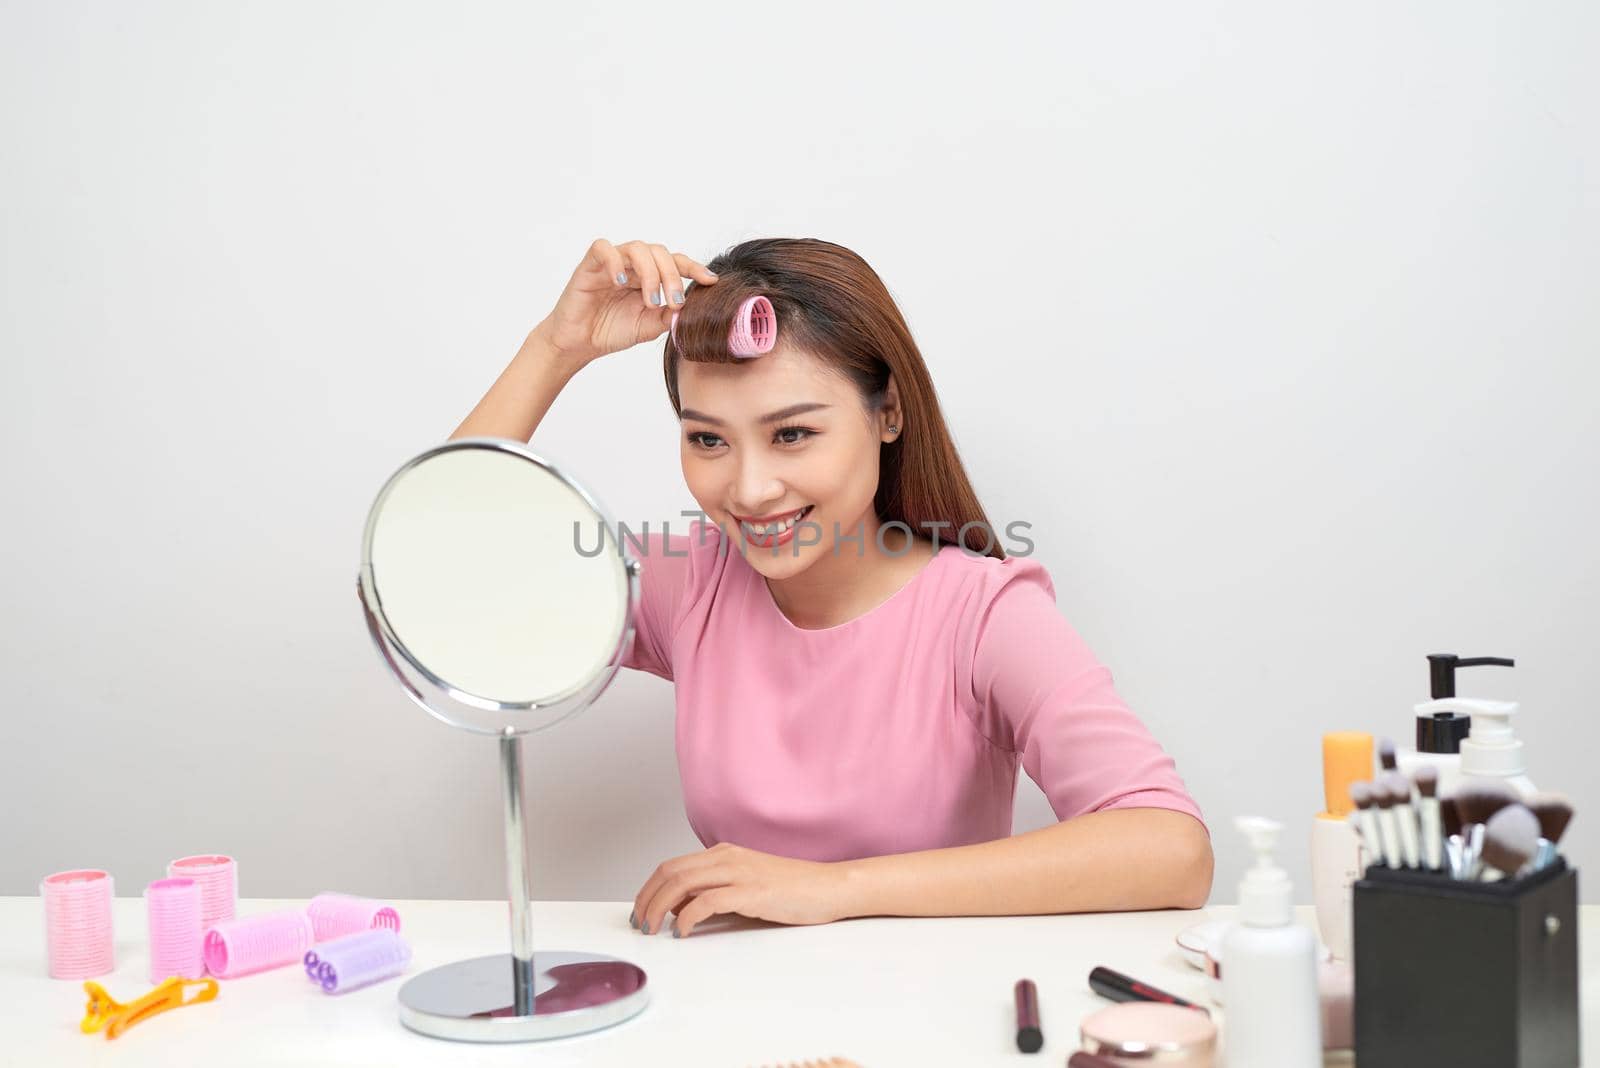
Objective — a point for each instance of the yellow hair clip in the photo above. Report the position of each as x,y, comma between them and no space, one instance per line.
104,1011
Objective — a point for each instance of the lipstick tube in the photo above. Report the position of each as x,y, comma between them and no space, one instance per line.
1118,987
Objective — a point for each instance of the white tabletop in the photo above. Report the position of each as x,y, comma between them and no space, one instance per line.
881,992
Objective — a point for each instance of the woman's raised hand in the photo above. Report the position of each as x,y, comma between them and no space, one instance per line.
619,296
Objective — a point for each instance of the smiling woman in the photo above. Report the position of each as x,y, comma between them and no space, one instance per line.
859,667
840,420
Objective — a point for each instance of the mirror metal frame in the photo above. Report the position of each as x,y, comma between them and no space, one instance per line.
457,707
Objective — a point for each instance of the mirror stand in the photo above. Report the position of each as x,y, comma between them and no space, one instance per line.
522,995
474,541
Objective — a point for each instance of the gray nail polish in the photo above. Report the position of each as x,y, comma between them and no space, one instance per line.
655,298
622,279
675,933
633,920
677,298
644,926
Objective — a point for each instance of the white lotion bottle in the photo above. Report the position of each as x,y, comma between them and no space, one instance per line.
1492,750
1269,968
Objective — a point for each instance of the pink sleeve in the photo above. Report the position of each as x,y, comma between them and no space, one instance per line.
667,574
1041,692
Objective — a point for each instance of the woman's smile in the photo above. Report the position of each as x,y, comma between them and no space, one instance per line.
769,534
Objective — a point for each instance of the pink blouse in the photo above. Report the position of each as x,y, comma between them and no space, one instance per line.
896,731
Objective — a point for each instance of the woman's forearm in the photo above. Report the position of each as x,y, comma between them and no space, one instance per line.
517,402
1115,860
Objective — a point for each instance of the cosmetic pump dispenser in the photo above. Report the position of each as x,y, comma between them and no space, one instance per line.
1493,750
1269,968
1443,723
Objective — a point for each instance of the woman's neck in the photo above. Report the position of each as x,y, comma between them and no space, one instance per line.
851,577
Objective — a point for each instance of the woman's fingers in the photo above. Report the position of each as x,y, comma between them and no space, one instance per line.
670,887
704,906
624,268
676,901
671,283
604,257
671,896
644,272
655,271
692,269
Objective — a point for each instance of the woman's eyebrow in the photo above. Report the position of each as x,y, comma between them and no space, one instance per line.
783,413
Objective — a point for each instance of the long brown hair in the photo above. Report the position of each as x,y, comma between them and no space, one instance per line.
831,304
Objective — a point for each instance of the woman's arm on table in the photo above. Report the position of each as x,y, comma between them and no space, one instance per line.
1113,860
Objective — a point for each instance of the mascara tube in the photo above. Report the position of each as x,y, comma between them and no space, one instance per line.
1029,1037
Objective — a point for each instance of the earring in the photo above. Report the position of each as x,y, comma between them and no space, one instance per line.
894,430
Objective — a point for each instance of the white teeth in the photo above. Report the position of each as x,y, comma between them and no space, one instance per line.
775,528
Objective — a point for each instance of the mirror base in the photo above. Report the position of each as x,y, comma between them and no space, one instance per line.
472,1000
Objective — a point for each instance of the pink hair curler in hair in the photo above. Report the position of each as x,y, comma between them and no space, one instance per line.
172,907
336,915
77,923
357,960
256,943
218,879
754,330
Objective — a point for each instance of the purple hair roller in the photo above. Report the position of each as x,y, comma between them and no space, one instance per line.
357,960
754,330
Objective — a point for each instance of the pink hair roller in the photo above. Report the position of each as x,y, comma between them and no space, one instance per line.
77,923
256,943
218,880
337,915
357,960
172,907
754,330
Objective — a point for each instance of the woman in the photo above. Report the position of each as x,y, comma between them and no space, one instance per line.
853,696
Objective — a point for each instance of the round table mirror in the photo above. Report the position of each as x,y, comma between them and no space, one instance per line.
497,593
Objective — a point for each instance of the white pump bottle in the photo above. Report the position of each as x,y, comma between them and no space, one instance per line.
1269,968
1492,750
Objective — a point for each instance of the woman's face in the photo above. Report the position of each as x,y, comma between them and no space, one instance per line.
740,463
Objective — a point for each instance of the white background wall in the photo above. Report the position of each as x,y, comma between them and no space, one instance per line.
1277,321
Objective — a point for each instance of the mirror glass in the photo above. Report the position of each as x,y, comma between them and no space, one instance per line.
499,580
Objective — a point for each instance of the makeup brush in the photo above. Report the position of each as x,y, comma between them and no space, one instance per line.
1554,812
1476,802
1367,821
1450,823
1510,839
1405,818
1427,780
1388,762
1388,828
1449,815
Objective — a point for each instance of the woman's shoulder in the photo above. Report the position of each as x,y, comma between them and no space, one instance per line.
676,571
988,578
689,555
